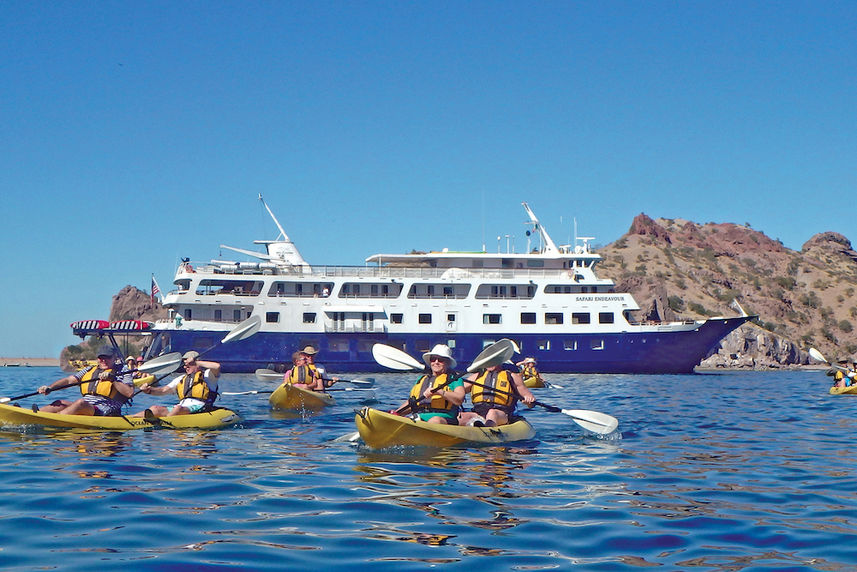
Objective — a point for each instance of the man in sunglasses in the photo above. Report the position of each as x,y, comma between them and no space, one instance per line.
196,388
105,388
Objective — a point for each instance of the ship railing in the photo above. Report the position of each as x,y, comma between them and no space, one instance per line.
395,272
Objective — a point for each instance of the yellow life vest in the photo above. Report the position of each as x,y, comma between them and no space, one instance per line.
193,385
529,370
303,374
498,388
838,375
437,402
91,385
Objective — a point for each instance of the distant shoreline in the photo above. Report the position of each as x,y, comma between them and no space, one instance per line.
29,361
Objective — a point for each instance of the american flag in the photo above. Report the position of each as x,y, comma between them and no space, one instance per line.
155,289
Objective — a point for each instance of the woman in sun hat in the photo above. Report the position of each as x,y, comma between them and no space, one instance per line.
437,396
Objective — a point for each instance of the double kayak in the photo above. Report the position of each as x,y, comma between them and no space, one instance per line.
290,397
534,381
847,390
379,429
216,419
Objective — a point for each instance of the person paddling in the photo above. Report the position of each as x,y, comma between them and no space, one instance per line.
310,352
105,388
494,393
437,396
528,368
302,374
196,388
843,377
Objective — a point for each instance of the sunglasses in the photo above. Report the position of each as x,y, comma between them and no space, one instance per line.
438,358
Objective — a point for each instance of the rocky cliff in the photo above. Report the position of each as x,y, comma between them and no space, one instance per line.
680,269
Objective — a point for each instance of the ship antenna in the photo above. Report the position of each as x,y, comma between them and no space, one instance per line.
283,235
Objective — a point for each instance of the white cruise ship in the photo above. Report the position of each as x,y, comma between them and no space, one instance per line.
549,301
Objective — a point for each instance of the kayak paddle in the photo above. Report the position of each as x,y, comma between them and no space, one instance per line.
271,375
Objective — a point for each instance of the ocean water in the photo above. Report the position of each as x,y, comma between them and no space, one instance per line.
715,471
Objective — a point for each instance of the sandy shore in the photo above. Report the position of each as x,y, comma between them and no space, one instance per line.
29,361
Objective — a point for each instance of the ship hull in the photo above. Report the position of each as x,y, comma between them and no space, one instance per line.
650,351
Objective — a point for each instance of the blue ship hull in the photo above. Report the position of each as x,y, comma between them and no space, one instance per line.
625,352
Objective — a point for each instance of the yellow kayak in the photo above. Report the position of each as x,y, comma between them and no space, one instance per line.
534,381
848,390
298,398
14,415
379,429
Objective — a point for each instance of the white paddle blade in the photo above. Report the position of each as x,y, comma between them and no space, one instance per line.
368,382
495,354
268,375
594,421
162,365
816,355
243,330
395,358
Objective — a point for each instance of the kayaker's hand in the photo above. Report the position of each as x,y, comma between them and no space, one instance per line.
145,388
529,400
44,390
104,375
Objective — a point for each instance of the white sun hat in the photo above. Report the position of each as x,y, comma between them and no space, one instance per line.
441,350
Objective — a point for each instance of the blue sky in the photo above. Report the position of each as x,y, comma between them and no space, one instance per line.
132,134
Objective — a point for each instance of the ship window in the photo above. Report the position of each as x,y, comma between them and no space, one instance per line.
337,345
299,289
543,345
596,344
516,291
605,317
558,289
535,263
490,318
365,346
376,290
570,345
422,346
425,319
187,314
236,315
309,317
553,317
396,318
580,318
486,343
218,315
528,317
272,317
423,290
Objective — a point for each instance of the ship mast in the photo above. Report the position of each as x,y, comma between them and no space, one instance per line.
281,251
550,247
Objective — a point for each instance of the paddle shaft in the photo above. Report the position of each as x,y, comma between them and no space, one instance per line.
8,399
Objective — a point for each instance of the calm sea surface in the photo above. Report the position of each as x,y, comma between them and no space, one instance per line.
720,471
